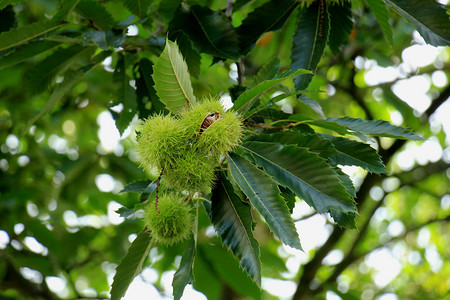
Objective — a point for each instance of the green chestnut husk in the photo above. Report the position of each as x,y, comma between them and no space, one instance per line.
185,149
219,137
159,142
173,223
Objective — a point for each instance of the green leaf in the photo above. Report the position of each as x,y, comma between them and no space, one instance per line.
312,142
188,51
106,39
341,24
167,10
27,51
264,194
143,186
232,220
5,3
25,33
206,279
138,7
376,127
344,220
126,95
42,75
304,172
350,153
95,13
210,31
428,16
267,71
378,8
172,81
313,104
65,8
145,90
268,17
309,41
7,19
226,268
125,212
131,264
246,99
184,275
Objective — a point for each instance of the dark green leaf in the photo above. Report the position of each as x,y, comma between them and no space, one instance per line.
232,220
188,51
246,99
131,264
289,197
428,16
96,14
167,10
25,33
264,194
342,130
106,39
350,153
42,75
145,90
65,8
309,41
346,181
378,8
144,186
5,3
341,24
138,7
27,51
125,212
312,142
346,220
7,19
210,31
269,17
125,96
184,275
304,172
376,127
172,81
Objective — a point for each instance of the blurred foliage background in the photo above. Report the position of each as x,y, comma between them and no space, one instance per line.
60,236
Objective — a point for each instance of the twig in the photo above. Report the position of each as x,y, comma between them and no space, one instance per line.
158,182
266,126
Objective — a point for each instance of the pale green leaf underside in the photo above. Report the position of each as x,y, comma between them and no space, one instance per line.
265,196
25,33
131,264
172,81
305,173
